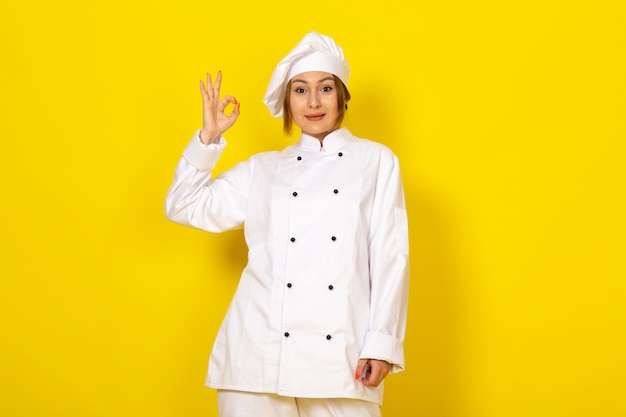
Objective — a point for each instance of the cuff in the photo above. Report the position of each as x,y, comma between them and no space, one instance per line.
384,347
203,157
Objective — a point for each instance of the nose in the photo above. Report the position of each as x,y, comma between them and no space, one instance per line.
314,101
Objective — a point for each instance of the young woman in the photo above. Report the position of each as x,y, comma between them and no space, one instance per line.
318,318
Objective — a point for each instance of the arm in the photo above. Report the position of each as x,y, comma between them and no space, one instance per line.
389,274
197,200
194,199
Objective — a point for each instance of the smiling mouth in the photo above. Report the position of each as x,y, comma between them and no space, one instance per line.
314,116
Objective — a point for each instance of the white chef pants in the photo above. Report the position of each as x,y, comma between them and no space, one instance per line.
252,404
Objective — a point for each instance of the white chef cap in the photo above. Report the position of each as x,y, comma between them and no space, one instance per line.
315,52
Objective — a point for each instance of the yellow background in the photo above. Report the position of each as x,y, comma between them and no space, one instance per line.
509,121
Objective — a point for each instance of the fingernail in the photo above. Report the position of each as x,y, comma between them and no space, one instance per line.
357,376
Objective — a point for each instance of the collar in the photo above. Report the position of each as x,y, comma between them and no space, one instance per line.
331,143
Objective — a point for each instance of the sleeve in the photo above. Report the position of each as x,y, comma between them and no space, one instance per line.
389,267
212,204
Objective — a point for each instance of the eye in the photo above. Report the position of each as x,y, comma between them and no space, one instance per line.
327,89
299,90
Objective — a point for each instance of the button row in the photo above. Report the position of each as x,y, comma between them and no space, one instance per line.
333,238
299,158
330,287
328,337
295,193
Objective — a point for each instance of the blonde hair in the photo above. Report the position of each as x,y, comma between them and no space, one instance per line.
343,96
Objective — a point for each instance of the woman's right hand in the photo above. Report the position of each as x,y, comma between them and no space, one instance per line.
214,119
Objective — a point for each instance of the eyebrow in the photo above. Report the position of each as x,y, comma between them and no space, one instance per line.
298,80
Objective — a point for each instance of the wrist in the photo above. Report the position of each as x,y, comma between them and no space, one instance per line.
206,139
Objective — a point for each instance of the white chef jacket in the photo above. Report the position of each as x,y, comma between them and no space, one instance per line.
326,281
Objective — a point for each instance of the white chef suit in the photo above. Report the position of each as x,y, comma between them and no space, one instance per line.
327,276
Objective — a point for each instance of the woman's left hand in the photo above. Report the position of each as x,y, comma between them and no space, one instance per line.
375,373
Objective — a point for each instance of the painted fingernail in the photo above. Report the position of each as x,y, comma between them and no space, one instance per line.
357,376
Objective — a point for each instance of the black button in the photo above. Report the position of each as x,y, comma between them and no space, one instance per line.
289,285
295,194
340,154
328,337
335,191
333,238
293,239
330,287
286,334
299,158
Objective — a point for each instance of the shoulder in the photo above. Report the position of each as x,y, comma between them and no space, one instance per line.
373,147
264,156
252,164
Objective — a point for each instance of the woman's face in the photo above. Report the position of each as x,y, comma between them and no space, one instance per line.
313,103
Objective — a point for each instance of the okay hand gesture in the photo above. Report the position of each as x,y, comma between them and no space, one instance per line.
215,121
